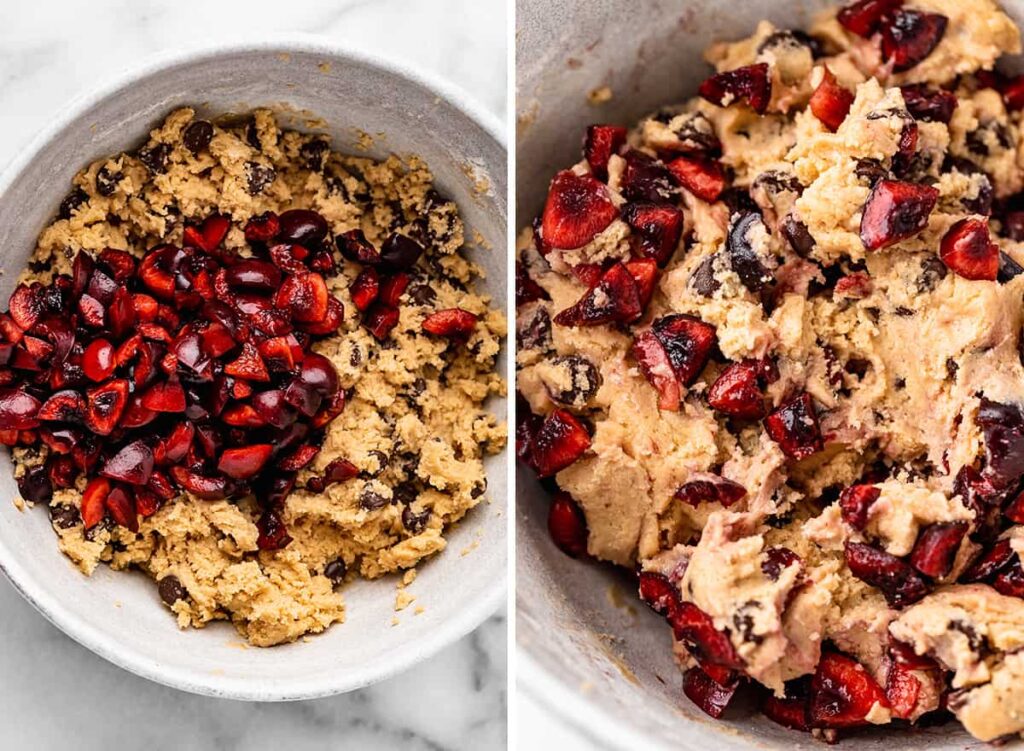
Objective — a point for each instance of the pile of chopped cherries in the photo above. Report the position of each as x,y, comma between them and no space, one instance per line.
191,369
674,350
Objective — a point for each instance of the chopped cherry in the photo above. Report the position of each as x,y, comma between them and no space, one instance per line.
688,342
897,580
121,505
737,392
703,177
577,209
990,563
559,442
527,290
1010,581
645,179
273,535
94,501
657,229
790,712
659,593
601,142
568,526
910,36
902,690
650,355
936,548
709,488
365,288
929,105
751,83
967,249
712,697
712,648
844,693
895,211
855,502
864,18
454,323
1003,428
615,299
133,464
794,426
830,102
246,461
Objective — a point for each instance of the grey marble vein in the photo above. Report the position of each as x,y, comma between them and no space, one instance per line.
58,695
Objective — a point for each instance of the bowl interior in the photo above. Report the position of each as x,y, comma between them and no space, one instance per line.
586,644
120,616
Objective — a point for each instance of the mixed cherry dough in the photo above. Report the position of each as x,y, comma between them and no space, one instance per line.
770,352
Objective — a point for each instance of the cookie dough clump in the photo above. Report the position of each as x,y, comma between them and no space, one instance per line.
369,478
770,351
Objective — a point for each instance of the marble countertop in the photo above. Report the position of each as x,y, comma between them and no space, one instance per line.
56,694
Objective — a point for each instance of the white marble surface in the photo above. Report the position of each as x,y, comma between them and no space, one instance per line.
54,693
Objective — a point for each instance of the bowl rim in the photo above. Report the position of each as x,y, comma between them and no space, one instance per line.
49,604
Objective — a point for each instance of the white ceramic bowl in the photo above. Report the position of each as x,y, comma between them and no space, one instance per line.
602,668
119,616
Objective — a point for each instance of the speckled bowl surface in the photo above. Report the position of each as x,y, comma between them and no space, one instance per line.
313,87
587,648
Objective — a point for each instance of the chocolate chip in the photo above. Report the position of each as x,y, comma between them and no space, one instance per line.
790,40
933,271
259,176
857,366
335,571
478,490
413,522
410,463
797,235
106,181
93,533
870,171
171,590
356,356
974,641
1009,269
773,183
405,492
419,386
583,381
65,516
703,279
336,186
422,294
535,332
155,157
695,133
743,255
382,463
370,500
951,368
252,134
72,202
314,154
738,199
197,136
903,311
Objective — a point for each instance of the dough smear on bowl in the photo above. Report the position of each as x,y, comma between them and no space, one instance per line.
253,368
769,349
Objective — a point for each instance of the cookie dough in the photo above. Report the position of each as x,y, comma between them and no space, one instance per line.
415,423
903,359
